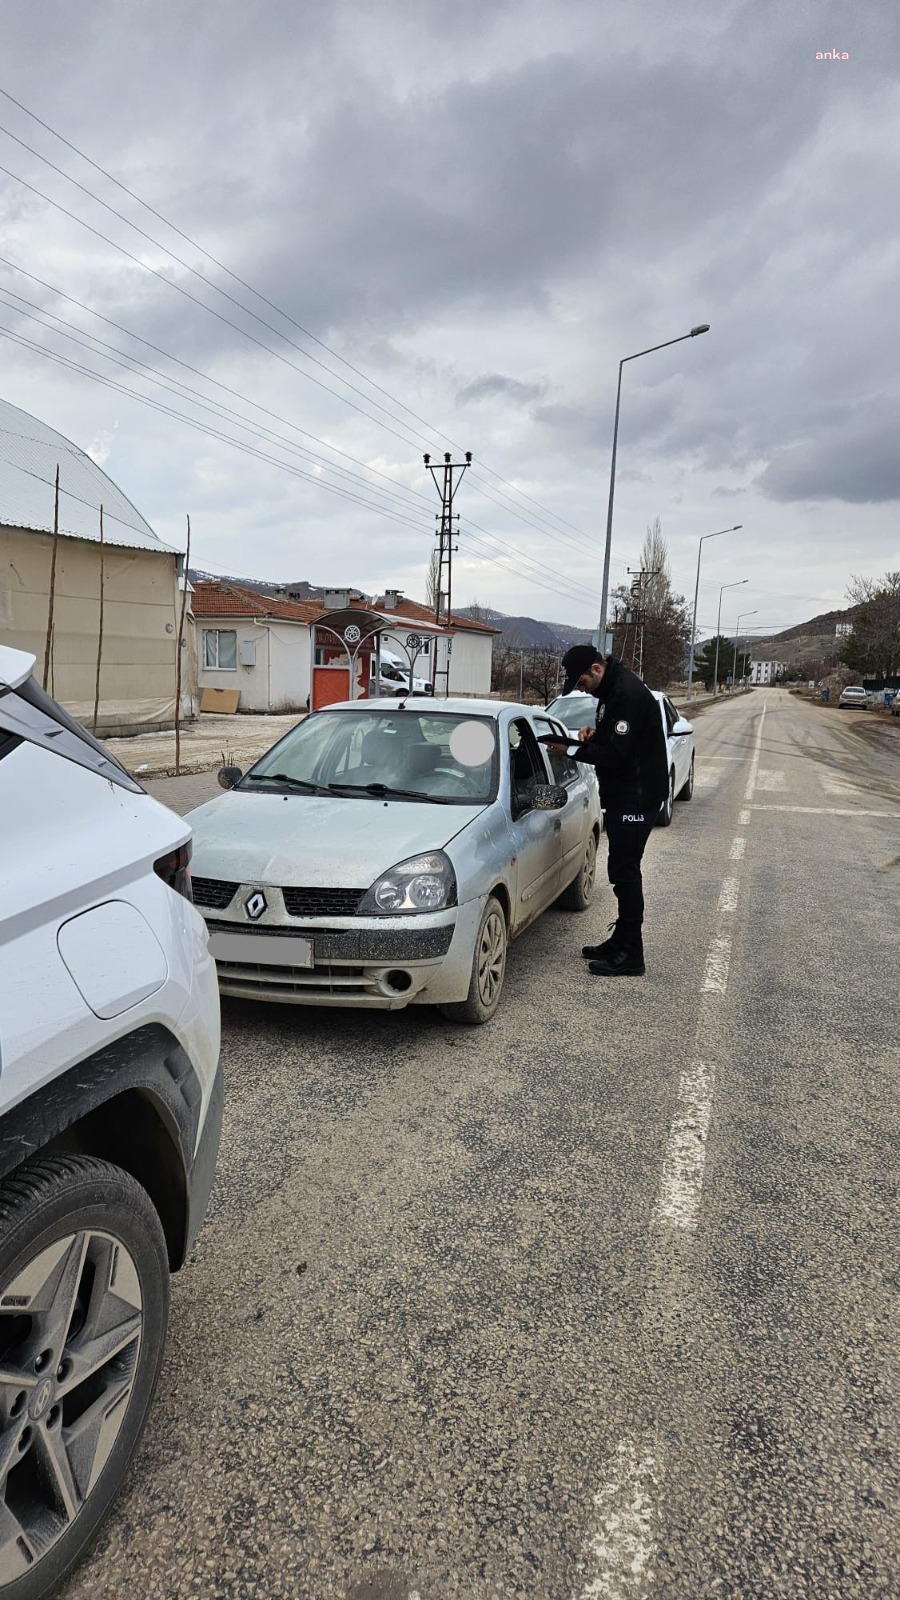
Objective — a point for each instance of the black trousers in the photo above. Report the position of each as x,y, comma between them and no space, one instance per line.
627,842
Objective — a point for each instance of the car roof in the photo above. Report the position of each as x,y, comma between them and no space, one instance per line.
441,708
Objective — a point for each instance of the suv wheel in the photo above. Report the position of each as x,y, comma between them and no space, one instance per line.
488,970
84,1301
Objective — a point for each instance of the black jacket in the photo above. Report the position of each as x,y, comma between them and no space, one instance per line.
629,747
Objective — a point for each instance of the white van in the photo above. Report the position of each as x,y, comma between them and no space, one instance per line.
110,1112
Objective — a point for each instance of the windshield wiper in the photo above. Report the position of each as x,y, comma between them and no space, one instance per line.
385,790
285,777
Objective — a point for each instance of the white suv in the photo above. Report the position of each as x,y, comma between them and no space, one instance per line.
110,1112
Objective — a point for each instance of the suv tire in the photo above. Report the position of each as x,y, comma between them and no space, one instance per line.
74,1231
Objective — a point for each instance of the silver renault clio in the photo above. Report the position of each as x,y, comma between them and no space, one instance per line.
384,854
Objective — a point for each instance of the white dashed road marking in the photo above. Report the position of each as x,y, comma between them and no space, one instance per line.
678,1201
770,780
718,959
828,811
619,1556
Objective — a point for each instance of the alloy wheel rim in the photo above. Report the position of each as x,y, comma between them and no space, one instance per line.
70,1332
491,958
589,868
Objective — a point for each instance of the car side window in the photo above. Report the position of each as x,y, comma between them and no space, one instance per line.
526,764
564,769
671,715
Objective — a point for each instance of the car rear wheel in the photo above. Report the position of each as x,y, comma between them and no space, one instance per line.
665,815
84,1301
688,788
488,970
579,894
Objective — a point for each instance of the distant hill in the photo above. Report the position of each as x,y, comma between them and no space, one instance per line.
806,641
299,590
529,632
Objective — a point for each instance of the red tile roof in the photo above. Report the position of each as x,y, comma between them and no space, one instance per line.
240,600
234,600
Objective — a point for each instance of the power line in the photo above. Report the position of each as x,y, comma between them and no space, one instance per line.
207,378
524,576
244,284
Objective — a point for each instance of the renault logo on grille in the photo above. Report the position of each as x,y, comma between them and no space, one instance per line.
255,904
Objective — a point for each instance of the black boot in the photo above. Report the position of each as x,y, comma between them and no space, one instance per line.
625,960
600,952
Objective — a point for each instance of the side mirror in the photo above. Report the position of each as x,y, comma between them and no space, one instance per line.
227,777
548,797
682,726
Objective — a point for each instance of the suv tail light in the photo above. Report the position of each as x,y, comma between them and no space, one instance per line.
175,870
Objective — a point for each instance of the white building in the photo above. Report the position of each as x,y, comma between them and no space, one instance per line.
140,579
283,654
766,671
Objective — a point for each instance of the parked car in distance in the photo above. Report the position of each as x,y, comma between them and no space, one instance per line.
110,1112
394,680
577,710
383,855
854,695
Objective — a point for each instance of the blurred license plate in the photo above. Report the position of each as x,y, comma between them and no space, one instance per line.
268,948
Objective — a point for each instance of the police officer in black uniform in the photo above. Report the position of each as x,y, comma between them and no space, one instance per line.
628,749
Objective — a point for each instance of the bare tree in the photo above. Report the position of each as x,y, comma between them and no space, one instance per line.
432,578
653,627
874,645
657,584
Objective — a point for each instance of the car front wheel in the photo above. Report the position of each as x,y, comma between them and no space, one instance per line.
488,970
84,1301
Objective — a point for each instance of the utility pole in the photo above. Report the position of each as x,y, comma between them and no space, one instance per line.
446,485
640,610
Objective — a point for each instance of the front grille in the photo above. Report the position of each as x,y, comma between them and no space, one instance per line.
213,893
322,902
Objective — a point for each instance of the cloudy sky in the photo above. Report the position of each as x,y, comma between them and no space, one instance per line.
457,220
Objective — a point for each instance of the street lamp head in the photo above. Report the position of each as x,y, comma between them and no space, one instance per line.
736,526
702,327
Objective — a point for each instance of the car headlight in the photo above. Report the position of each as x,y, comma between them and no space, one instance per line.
423,883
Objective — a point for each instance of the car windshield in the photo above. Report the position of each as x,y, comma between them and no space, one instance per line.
574,710
411,754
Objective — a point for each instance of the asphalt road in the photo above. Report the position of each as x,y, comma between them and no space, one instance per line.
596,1302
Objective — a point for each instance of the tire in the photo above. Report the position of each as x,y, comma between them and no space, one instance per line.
74,1231
580,893
488,970
665,816
687,790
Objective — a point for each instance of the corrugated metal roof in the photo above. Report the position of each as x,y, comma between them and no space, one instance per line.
29,453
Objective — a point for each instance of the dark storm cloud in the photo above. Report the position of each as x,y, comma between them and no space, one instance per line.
858,463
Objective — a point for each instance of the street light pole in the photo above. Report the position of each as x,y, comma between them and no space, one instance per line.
717,535
736,585
702,327
737,631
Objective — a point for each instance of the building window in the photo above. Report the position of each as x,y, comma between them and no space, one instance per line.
220,649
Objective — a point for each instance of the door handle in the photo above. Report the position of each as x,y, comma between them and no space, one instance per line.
557,826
